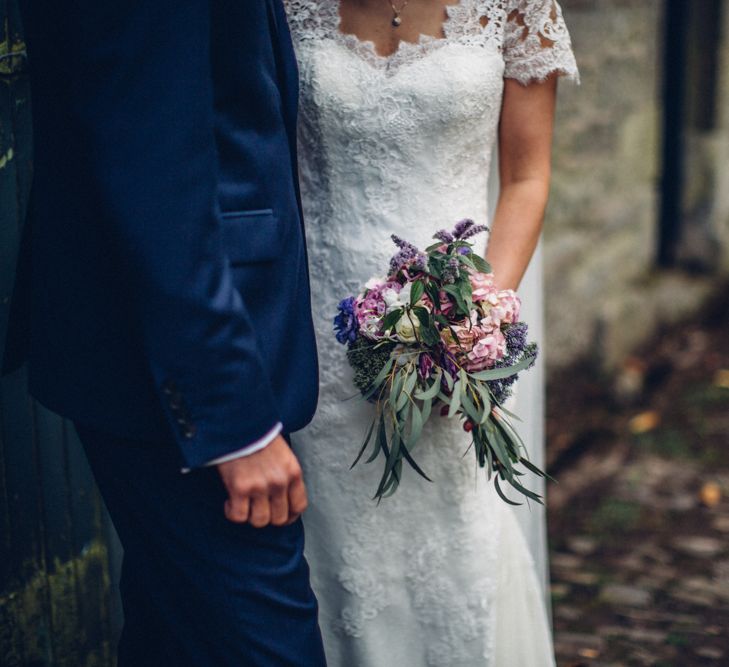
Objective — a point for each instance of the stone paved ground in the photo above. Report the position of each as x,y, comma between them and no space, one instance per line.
639,522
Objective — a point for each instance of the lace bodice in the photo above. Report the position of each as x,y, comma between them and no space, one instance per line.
530,34
402,144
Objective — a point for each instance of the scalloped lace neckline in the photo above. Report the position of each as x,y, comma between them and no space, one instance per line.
405,52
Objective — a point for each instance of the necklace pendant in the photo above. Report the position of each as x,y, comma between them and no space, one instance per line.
396,21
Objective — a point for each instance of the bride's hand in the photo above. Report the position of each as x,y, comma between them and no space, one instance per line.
266,487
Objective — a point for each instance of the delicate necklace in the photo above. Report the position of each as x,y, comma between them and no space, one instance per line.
397,12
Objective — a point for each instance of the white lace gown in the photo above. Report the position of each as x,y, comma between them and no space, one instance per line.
440,574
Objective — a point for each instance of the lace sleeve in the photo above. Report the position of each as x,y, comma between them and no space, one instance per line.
536,42
311,19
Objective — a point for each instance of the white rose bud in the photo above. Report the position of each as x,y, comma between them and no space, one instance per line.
407,328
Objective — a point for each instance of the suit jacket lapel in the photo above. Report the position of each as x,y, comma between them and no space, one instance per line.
288,76
286,69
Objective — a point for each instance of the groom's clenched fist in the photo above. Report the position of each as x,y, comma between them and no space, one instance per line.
266,487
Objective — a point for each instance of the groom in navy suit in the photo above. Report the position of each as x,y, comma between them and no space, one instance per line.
162,303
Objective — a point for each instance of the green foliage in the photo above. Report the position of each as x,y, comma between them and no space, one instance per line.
404,404
367,360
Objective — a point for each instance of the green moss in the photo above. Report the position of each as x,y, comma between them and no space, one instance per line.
58,617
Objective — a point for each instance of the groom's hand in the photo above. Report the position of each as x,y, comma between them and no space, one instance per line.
264,488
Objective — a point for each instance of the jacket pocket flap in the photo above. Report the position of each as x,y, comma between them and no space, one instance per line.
251,236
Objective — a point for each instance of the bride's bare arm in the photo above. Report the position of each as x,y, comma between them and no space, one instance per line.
525,146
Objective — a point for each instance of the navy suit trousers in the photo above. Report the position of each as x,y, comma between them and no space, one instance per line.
198,590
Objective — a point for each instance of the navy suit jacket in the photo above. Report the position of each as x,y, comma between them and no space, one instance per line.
162,288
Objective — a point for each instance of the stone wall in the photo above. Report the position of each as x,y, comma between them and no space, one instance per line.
604,295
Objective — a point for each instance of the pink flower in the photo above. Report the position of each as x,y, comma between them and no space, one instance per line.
487,350
510,304
482,285
467,337
500,308
371,306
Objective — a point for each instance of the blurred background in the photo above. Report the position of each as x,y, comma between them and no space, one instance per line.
637,322
636,262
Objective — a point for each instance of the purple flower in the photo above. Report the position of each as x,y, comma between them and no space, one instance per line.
516,338
407,255
451,272
466,229
462,227
464,251
476,229
345,323
444,236
448,364
421,262
403,244
425,365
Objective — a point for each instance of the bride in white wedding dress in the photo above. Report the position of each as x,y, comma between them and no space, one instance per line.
401,105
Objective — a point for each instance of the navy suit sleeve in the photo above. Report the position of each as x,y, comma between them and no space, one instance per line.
142,108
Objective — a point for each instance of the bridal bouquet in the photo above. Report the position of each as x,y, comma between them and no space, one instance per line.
436,333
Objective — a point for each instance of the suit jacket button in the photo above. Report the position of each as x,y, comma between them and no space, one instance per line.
189,431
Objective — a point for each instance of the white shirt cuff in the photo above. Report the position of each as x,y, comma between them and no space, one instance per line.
254,447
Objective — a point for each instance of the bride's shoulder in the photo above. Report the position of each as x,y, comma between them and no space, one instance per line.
311,18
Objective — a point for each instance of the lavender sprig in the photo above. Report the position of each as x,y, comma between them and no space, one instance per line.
408,254
444,236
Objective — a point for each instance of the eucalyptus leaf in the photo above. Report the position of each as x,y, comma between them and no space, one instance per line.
426,409
540,473
470,409
432,390
408,457
416,425
529,494
490,462
497,444
392,455
455,403
396,389
402,401
394,482
508,413
367,439
381,441
509,433
501,373
501,494
410,381
485,395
